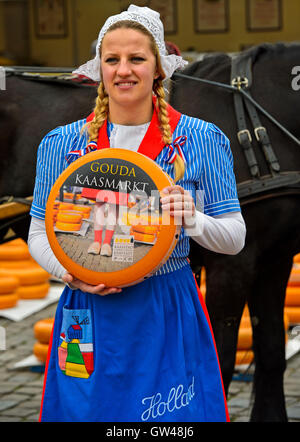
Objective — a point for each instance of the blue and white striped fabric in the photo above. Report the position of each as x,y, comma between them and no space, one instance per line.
209,171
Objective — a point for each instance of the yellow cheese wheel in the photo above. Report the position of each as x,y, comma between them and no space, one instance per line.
244,338
8,301
8,284
36,291
292,296
68,227
143,237
133,219
148,230
68,195
18,264
69,216
42,330
40,351
27,276
293,314
244,357
17,252
65,206
245,321
297,258
86,210
294,279
16,242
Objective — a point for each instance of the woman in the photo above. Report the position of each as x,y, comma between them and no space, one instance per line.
152,354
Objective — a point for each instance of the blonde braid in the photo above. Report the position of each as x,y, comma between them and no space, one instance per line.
101,112
165,126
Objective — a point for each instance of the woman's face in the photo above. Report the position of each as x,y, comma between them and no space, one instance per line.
128,68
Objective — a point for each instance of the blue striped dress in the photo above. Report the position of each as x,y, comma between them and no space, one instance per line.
146,354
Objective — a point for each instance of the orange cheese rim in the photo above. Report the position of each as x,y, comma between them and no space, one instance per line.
151,262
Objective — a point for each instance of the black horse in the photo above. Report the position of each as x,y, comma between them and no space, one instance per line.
259,274
30,107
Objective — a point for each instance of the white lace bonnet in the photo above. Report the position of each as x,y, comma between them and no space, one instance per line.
151,21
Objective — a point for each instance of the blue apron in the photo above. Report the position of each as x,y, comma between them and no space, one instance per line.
146,354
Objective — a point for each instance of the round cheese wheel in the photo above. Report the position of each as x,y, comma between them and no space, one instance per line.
8,284
8,301
143,237
42,330
124,190
85,210
16,242
68,227
27,276
244,357
40,351
18,264
146,230
297,258
16,252
35,291
244,338
64,206
294,279
293,313
69,217
292,296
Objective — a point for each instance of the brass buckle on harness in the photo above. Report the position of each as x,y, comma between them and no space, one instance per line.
256,129
246,131
239,82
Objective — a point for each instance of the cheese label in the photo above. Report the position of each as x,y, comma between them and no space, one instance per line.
104,219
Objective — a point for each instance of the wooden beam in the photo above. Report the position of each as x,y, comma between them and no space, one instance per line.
9,210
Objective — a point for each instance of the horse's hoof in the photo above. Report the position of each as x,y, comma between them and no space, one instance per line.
94,248
106,250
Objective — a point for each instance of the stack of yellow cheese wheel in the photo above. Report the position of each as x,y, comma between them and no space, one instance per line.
16,262
42,332
71,196
292,295
68,216
147,234
244,352
8,291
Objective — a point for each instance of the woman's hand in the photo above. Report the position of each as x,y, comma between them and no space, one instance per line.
99,289
179,202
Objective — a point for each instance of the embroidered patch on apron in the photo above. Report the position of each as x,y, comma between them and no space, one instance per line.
75,350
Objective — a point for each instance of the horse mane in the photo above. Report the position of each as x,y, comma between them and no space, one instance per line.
274,49
209,61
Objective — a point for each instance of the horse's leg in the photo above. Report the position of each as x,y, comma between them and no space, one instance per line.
266,305
225,298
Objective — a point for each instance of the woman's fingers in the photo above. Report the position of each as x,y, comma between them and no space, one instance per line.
178,202
99,289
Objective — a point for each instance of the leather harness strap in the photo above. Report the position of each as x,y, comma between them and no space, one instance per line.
241,77
258,187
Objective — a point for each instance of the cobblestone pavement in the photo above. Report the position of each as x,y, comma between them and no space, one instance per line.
21,389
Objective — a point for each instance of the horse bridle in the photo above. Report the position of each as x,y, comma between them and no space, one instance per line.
262,186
